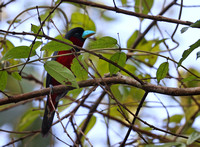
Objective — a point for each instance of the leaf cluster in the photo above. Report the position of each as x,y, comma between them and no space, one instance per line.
118,102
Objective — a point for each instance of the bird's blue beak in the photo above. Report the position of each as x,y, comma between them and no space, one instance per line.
87,33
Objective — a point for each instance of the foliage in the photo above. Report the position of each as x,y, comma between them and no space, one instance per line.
120,59
57,46
62,74
162,71
79,70
114,78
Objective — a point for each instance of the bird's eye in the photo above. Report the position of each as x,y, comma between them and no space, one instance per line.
76,34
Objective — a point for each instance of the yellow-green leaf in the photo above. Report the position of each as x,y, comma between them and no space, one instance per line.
75,92
61,73
124,2
196,24
142,6
104,42
18,52
57,46
78,70
16,21
187,52
16,75
7,45
170,144
188,79
175,118
27,119
90,125
3,80
162,71
132,39
35,30
120,59
82,20
44,15
36,45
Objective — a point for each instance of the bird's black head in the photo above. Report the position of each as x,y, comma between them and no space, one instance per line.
75,33
78,35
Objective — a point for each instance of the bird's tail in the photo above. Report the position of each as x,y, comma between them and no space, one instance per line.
48,115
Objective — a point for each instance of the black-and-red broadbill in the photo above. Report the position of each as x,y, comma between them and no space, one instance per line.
77,36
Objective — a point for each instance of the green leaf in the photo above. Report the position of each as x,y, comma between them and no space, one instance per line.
44,16
149,46
90,124
58,1
157,42
198,54
16,21
3,80
175,118
184,29
18,52
170,144
64,103
78,70
27,119
124,2
142,6
82,20
187,52
6,46
107,17
116,92
57,46
132,39
194,136
61,73
16,76
129,67
120,59
196,24
162,71
104,42
101,65
36,45
188,79
35,30
75,92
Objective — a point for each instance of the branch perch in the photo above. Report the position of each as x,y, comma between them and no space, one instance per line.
120,79
122,11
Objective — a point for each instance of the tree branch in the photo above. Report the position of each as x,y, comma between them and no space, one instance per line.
134,119
118,10
120,79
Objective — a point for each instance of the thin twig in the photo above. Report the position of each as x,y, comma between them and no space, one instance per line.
90,114
41,26
141,36
134,119
118,10
58,116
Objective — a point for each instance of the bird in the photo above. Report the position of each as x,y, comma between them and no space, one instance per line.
77,36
